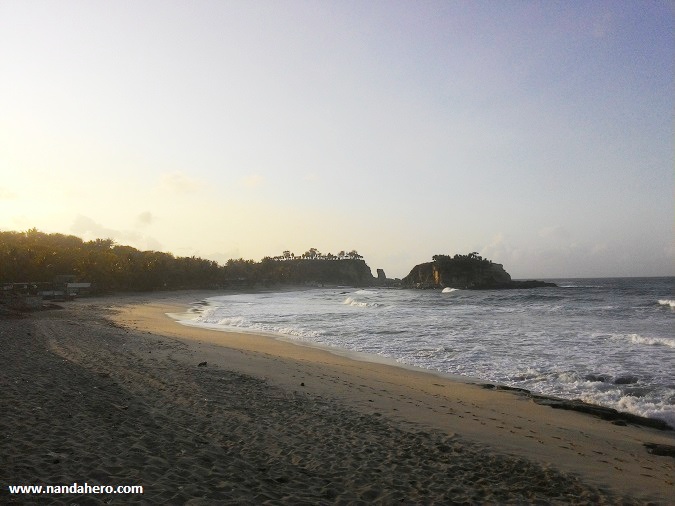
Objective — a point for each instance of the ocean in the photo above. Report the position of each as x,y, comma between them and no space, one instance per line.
608,341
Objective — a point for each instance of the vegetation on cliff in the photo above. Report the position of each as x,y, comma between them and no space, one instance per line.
315,254
34,256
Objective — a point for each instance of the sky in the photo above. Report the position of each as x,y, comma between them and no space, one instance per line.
538,134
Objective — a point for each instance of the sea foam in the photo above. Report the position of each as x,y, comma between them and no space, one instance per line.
652,341
350,301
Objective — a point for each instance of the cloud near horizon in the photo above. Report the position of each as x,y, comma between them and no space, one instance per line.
89,229
145,218
6,194
178,182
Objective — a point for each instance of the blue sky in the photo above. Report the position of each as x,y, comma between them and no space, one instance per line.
539,134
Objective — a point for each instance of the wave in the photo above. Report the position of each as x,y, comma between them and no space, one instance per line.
654,409
652,341
450,290
580,286
236,321
350,301
243,324
667,302
534,296
647,341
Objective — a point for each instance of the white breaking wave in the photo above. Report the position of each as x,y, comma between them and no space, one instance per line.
648,341
237,321
667,302
226,324
652,341
350,301
290,331
449,290
660,410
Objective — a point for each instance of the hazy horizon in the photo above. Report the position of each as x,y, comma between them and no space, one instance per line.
538,134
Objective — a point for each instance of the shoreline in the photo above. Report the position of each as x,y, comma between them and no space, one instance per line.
556,402
426,388
348,413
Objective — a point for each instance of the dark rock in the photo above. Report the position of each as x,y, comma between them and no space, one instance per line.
626,380
636,391
527,284
612,415
201,364
505,387
602,412
661,449
603,378
465,272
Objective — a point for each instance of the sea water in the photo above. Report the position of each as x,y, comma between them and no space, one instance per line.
605,341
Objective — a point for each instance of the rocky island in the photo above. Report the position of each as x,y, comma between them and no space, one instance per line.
464,272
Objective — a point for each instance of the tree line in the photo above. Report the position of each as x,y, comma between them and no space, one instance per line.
314,254
471,263
34,256
471,260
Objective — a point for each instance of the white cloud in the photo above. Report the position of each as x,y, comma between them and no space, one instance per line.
145,218
6,194
223,257
500,250
89,229
177,182
86,226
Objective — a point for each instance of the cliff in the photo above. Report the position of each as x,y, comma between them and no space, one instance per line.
464,272
353,272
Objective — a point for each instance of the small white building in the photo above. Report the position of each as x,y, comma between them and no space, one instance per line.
76,289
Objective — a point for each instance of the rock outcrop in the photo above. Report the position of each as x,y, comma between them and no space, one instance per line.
616,417
464,272
335,272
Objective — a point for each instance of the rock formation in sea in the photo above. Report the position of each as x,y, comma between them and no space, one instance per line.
464,272
354,272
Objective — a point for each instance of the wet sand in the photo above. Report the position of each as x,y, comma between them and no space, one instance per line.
111,391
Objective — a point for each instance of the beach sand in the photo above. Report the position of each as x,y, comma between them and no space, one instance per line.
111,391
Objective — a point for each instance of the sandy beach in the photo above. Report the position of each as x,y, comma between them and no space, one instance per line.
113,391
